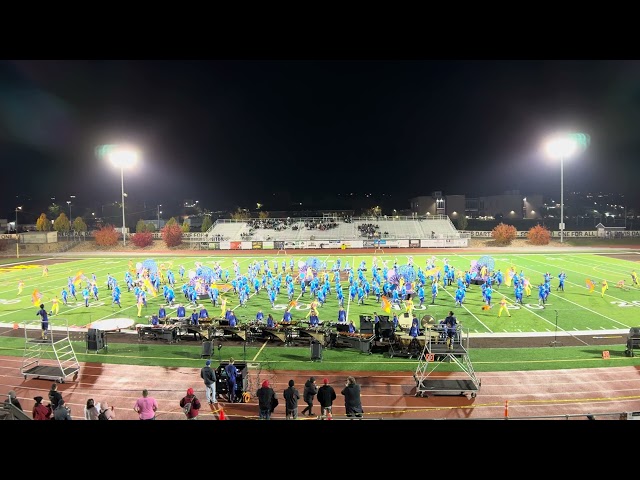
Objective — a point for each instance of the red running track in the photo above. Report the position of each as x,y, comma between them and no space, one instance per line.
601,392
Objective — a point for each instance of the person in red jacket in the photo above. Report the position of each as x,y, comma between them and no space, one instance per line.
190,398
40,411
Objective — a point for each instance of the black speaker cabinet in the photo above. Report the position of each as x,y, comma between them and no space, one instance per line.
316,350
95,339
366,324
207,349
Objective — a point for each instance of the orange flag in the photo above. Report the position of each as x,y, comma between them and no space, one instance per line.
591,285
386,305
35,298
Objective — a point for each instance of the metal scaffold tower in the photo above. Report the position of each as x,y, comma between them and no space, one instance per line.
51,357
437,350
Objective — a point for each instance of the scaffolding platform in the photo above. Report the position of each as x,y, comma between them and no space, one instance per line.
48,358
438,350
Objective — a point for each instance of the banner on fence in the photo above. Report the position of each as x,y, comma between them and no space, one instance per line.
267,245
256,245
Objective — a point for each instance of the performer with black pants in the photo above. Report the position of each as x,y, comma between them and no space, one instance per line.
232,373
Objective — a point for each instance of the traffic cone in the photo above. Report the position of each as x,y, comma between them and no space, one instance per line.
221,415
506,409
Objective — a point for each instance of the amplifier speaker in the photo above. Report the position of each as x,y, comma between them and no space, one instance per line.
207,349
95,339
366,324
316,350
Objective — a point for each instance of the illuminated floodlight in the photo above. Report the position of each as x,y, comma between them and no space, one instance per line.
561,147
123,157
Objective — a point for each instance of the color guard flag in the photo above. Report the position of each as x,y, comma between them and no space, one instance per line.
432,271
591,285
150,287
36,296
78,278
386,305
293,303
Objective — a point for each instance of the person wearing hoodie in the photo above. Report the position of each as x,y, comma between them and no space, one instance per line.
291,397
62,412
326,396
266,397
192,401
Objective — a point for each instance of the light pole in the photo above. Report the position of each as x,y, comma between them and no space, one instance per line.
69,203
159,212
562,147
17,235
123,157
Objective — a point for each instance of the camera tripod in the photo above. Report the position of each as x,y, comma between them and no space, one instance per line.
555,342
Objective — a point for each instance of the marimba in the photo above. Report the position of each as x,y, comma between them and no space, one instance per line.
359,341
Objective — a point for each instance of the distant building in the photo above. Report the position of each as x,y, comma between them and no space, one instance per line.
509,205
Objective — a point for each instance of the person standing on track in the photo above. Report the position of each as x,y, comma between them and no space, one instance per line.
326,396
308,394
352,401
146,406
208,375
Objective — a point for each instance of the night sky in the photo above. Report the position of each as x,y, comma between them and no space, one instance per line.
236,132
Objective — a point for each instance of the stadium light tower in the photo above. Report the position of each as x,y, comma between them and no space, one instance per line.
17,234
562,147
122,157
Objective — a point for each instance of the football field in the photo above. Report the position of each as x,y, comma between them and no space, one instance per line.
577,308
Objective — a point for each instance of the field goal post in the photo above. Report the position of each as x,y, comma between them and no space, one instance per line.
281,251
376,247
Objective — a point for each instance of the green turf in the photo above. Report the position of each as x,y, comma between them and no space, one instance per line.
577,309
298,358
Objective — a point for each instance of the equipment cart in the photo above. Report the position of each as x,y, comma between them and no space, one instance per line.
51,357
436,352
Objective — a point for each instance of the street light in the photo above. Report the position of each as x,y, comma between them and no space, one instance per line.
561,147
69,203
123,157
